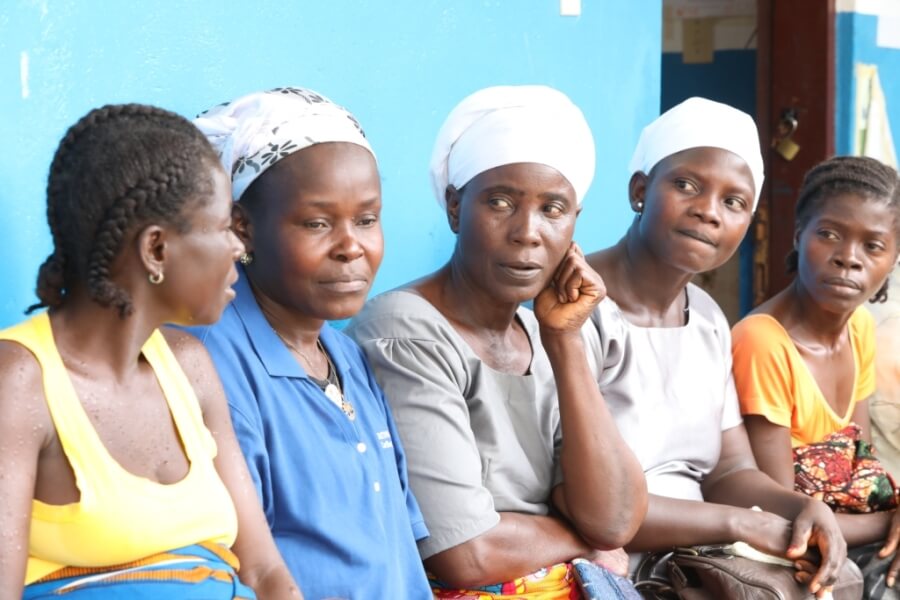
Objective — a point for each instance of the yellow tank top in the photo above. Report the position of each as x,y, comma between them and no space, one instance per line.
122,517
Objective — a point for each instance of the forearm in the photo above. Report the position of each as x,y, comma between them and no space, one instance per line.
603,483
518,545
864,528
750,487
671,522
273,583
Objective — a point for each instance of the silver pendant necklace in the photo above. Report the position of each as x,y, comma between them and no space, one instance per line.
333,389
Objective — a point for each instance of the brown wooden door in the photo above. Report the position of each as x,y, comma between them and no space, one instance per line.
795,54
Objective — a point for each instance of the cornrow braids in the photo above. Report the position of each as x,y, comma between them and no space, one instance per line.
117,169
860,175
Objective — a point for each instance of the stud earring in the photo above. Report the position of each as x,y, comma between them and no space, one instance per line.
640,207
156,278
246,258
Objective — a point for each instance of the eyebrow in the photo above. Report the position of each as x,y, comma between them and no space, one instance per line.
876,231
327,204
683,170
506,189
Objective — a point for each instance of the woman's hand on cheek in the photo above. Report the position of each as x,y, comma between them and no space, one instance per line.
566,303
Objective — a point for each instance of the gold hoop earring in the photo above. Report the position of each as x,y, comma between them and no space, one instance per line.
156,278
246,258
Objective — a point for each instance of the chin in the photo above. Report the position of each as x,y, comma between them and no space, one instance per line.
516,295
338,311
696,265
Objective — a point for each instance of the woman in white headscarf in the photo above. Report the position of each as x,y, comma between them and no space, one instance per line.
312,423
661,347
494,402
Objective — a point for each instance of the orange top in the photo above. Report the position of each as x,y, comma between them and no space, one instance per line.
121,517
773,380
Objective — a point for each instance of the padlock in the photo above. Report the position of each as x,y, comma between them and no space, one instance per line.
787,148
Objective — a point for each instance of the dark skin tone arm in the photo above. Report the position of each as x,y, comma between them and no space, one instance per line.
25,430
519,543
787,526
262,567
604,492
772,447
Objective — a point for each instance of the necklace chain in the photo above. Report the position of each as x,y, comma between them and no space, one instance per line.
333,391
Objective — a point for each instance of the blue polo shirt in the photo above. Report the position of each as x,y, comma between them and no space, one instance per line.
335,491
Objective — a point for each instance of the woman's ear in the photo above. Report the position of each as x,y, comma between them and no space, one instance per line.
452,198
242,226
637,191
151,246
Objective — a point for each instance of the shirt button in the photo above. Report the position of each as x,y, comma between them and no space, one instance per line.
360,447
377,486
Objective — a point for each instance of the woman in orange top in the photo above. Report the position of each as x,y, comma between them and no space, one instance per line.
804,360
120,475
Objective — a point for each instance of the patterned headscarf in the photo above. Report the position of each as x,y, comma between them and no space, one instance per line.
255,131
503,125
695,123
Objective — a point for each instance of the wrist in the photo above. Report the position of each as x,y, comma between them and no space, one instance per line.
736,524
555,341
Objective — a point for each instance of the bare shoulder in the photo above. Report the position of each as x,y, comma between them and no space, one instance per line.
20,371
22,401
189,350
602,261
194,360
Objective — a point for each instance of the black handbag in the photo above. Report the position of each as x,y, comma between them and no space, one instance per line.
874,571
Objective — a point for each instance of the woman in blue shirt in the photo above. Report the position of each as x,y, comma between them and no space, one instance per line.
311,420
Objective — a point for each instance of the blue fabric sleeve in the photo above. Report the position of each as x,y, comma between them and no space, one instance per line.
416,520
245,417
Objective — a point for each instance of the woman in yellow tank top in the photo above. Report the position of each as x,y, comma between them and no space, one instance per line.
120,475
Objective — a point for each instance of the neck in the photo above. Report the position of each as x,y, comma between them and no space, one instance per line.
469,304
94,341
296,330
808,321
644,284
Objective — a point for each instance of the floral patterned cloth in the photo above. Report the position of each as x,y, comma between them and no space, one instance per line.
557,582
843,471
551,583
255,131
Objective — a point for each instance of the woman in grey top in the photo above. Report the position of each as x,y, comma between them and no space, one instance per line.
472,377
661,347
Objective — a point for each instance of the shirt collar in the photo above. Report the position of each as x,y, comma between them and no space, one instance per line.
273,353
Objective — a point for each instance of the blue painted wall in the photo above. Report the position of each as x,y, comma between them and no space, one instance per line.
400,66
855,43
729,78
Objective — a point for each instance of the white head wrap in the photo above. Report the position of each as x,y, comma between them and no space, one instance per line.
255,131
503,125
696,123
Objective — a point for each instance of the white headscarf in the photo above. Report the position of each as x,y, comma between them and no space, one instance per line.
503,125
695,123
255,131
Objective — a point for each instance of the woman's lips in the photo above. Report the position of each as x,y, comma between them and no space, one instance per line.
522,270
345,286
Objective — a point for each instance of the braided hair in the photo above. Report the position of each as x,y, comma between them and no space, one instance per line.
860,175
117,169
